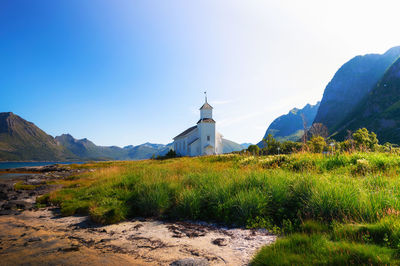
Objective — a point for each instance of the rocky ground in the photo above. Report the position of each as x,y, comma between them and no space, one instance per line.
32,236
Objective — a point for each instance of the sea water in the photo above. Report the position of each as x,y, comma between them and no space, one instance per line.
8,165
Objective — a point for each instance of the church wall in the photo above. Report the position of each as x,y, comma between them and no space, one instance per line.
205,113
181,144
195,148
206,129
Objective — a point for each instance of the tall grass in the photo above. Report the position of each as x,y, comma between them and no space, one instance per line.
350,201
233,189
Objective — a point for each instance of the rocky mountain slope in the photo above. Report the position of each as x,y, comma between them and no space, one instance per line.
351,83
379,110
290,126
22,140
84,148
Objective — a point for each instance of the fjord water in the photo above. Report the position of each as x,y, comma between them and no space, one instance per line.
8,165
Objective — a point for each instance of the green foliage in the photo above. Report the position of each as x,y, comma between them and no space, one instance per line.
43,200
365,140
21,186
317,144
170,154
288,147
253,149
386,232
271,145
317,249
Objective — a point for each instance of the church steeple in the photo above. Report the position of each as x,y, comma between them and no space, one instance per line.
206,105
206,110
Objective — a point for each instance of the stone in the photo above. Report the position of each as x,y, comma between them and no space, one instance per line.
220,242
190,262
34,239
69,249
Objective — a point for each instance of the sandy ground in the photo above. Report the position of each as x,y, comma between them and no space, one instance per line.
44,238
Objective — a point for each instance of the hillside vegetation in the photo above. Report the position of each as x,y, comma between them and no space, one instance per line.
379,110
350,84
329,209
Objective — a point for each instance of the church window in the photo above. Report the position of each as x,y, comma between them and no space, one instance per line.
208,138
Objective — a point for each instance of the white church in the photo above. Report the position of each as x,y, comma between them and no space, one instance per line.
201,139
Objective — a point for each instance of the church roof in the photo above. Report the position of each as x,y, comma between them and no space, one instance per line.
206,120
193,141
187,131
206,106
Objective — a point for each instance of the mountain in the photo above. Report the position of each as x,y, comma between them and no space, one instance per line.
379,110
85,149
23,140
290,126
230,146
147,150
351,83
245,145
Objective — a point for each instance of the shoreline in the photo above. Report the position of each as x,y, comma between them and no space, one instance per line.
41,235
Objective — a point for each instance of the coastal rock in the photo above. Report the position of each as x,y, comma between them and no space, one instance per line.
190,262
220,242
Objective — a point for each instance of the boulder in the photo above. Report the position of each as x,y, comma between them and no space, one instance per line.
190,262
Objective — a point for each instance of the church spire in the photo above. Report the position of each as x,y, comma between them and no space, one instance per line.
206,105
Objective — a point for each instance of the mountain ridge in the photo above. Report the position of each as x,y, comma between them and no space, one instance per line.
379,110
350,84
23,140
290,126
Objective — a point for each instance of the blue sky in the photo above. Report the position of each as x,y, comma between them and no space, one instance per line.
128,72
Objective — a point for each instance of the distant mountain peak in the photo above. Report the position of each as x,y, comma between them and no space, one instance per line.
23,140
290,126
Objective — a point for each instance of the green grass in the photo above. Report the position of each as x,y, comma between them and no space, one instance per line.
329,209
21,186
317,249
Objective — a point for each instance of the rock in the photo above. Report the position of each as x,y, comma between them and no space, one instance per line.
35,182
69,249
7,212
136,227
220,242
190,262
17,204
3,195
34,239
